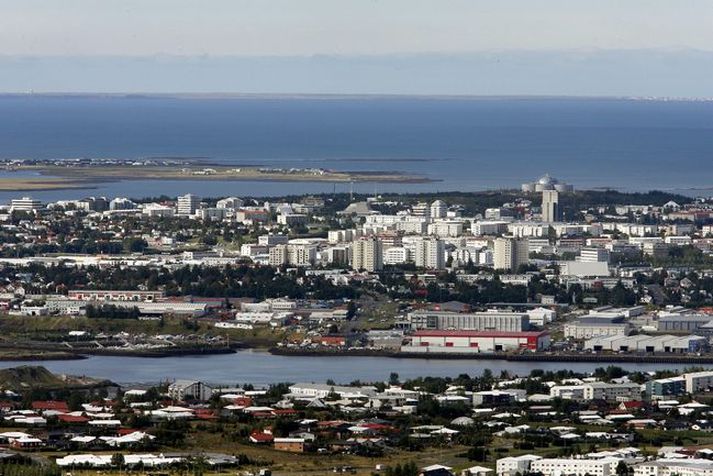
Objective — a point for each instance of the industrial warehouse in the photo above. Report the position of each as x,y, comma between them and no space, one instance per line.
476,341
645,343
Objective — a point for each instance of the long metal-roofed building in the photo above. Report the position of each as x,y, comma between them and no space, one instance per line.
646,343
472,321
587,327
682,322
443,341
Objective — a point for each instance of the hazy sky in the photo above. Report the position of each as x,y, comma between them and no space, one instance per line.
347,27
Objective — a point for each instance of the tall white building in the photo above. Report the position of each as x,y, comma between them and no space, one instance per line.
439,209
278,255
292,254
510,253
25,204
430,253
367,254
593,255
421,209
550,206
120,203
187,204
396,255
231,203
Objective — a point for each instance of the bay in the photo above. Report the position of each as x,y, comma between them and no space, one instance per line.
464,144
263,368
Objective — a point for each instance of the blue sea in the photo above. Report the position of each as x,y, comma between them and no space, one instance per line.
464,144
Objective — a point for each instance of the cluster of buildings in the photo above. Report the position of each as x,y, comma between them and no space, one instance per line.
559,411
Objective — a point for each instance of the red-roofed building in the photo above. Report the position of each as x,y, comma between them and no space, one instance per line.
41,405
263,414
631,405
206,414
263,437
477,341
76,419
331,340
242,401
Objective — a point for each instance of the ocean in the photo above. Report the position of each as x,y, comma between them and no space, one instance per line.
464,144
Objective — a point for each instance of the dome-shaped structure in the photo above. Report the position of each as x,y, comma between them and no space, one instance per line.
462,421
547,180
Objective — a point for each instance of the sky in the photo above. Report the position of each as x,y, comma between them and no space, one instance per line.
70,42
347,27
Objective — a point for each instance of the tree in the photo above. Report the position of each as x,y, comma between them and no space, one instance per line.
117,460
622,469
135,245
351,310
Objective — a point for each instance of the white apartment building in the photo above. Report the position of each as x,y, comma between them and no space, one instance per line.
421,209
450,228
412,227
575,467
301,255
339,254
678,240
291,219
396,255
252,249
513,465
230,203
568,392
439,209
189,390
120,203
527,230
187,204
612,392
341,236
367,254
156,210
278,255
698,381
675,467
210,214
430,253
462,255
510,253
292,254
25,204
632,229
317,390
488,227
550,206
593,255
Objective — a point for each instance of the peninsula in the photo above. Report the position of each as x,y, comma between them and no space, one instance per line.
84,173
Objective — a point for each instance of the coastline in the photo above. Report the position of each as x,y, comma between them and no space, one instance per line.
67,178
534,357
23,355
